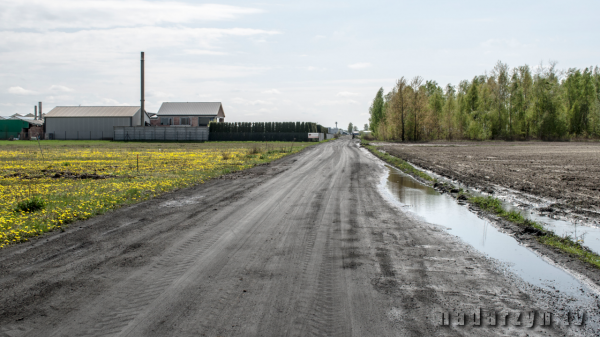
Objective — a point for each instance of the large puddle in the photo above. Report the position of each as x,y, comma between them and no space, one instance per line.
429,205
586,233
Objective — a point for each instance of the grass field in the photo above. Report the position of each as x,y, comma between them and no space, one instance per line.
46,185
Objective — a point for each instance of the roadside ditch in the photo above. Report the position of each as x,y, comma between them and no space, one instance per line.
560,250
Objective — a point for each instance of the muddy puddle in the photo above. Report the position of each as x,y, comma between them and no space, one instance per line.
427,204
182,202
586,233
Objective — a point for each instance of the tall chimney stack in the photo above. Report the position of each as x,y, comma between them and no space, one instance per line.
40,110
35,112
142,110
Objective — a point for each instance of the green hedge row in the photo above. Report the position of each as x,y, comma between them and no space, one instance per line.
262,127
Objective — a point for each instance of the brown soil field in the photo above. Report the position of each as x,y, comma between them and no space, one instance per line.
567,174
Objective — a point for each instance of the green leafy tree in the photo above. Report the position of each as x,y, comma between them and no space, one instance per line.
581,100
376,111
548,104
503,104
350,128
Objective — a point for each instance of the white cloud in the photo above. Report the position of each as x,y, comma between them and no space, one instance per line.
57,14
117,40
20,91
60,88
113,51
336,102
311,68
243,101
318,37
203,52
158,94
272,91
360,65
502,44
192,72
59,98
112,102
346,94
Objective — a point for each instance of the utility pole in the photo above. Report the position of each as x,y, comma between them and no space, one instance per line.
40,110
142,101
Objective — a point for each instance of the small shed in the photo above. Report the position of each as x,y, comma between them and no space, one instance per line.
189,114
90,122
21,128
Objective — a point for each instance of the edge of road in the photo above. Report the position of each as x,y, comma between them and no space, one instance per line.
582,270
77,225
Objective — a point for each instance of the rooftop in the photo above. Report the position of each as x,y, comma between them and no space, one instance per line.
191,109
93,111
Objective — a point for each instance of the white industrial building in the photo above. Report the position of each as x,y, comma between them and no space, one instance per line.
90,122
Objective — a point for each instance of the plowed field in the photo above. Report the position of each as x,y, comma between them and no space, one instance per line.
566,173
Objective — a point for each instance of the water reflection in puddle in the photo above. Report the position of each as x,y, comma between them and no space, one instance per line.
443,210
589,235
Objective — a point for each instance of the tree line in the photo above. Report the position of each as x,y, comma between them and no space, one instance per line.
517,103
264,127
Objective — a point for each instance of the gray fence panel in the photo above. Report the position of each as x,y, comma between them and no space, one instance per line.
149,133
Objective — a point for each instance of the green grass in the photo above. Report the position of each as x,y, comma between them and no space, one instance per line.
567,245
494,205
39,193
32,204
6,145
548,238
399,163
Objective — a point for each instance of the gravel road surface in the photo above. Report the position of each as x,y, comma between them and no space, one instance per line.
302,246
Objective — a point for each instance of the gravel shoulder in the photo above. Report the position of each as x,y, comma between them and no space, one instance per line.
305,245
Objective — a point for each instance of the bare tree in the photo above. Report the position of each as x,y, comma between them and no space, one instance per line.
400,103
416,103
500,74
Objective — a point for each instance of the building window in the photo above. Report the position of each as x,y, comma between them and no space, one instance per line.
166,121
186,121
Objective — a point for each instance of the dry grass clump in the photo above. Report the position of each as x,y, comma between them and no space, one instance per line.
367,136
255,150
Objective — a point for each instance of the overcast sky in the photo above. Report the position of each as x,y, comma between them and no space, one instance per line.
320,61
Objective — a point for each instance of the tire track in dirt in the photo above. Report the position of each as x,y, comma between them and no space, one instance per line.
144,289
228,295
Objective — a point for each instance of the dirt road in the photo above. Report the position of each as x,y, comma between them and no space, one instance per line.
304,246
